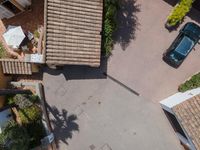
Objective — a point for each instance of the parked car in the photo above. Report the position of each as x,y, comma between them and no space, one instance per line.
188,37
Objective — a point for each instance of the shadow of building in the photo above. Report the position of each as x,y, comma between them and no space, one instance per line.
73,72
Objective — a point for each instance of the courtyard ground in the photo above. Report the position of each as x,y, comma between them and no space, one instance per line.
115,107
103,115
140,43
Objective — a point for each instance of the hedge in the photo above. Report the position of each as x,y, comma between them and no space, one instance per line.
179,12
109,25
192,83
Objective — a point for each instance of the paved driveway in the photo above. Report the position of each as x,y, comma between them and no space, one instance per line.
141,41
106,113
101,114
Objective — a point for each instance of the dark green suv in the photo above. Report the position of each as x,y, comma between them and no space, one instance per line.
188,37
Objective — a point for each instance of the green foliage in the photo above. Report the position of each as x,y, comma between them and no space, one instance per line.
109,25
34,99
36,131
36,34
2,51
10,99
22,100
30,114
14,137
193,83
179,12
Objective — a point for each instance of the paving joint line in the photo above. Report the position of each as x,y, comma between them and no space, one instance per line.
121,84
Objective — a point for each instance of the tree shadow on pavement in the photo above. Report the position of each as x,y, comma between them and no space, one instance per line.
127,22
63,123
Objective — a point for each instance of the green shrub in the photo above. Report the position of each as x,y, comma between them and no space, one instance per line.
30,114
34,98
109,25
193,83
36,34
36,132
10,99
179,12
22,100
14,137
2,51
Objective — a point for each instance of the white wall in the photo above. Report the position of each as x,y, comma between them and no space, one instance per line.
168,103
178,98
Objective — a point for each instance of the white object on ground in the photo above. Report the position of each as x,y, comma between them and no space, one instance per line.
34,58
14,36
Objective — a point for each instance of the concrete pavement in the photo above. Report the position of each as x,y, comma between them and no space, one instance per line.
101,114
91,112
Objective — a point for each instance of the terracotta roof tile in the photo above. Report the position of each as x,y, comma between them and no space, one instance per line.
73,30
14,66
188,114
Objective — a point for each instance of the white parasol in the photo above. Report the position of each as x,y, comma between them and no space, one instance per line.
14,36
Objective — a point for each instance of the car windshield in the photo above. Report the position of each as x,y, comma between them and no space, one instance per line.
176,56
185,45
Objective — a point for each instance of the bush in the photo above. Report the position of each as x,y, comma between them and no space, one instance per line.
109,25
22,100
14,137
193,83
30,114
179,12
36,132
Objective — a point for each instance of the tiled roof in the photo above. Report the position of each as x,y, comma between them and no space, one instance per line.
14,66
73,30
188,114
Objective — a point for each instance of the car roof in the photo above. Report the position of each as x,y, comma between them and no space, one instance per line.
184,46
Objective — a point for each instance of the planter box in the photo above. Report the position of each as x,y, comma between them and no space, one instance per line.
37,89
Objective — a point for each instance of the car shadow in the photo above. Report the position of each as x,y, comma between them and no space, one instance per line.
64,124
127,22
